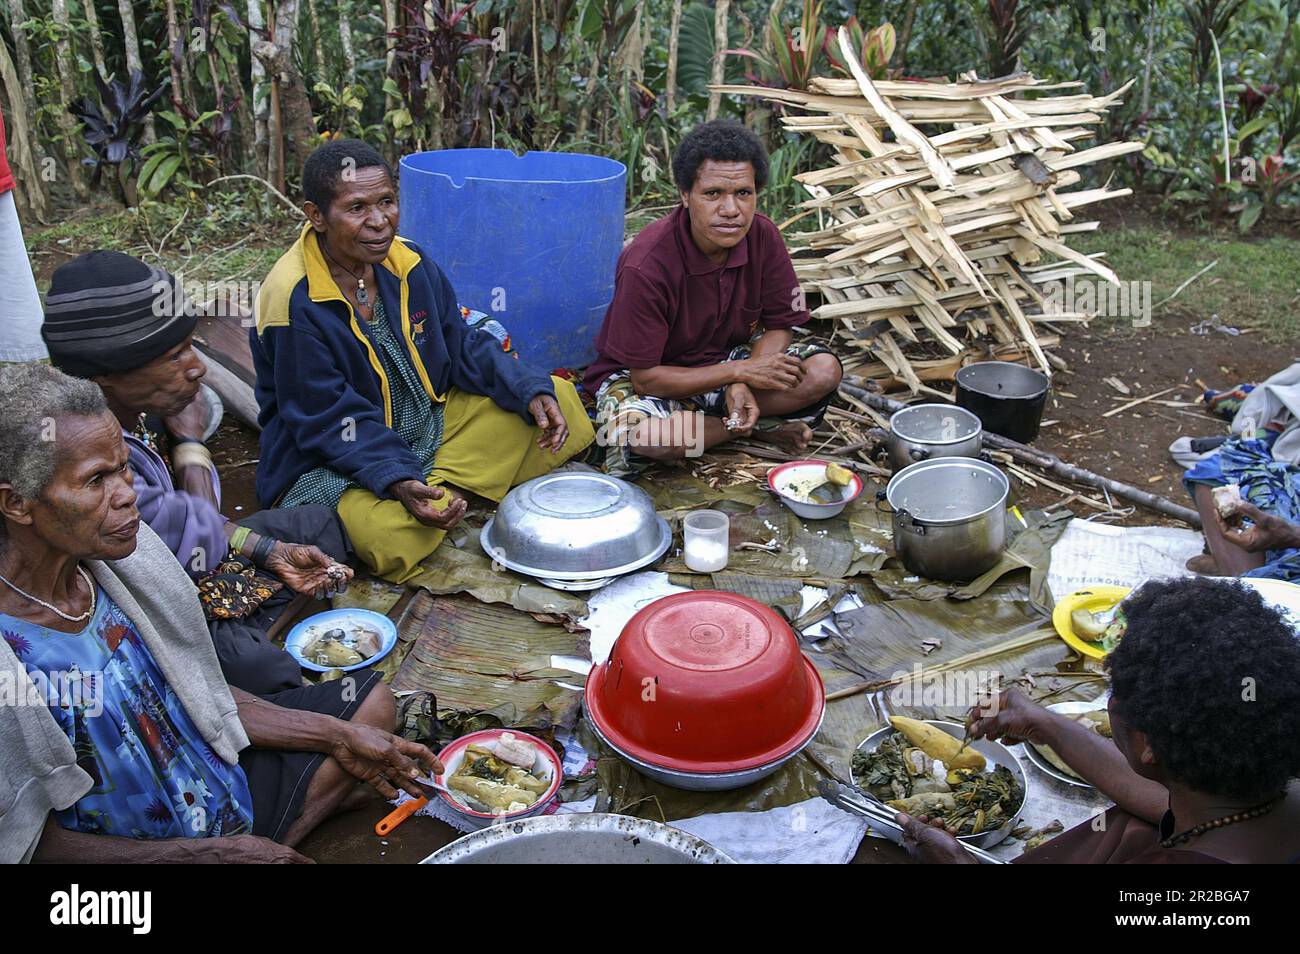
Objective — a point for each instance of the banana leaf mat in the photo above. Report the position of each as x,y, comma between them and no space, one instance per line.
902,652
478,657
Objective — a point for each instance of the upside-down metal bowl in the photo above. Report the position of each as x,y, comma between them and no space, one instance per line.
576,525
995,752
587,839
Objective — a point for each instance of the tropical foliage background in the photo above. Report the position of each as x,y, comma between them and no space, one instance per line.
165,100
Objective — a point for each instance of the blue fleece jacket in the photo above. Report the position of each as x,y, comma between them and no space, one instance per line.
323,396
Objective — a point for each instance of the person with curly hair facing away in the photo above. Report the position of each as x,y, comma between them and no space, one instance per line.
1205,716
697,346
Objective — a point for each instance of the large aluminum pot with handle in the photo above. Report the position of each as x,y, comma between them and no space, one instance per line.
949,517
926,431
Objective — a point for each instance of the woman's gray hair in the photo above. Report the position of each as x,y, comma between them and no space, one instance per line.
32,398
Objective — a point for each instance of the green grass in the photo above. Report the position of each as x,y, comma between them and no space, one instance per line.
227,237
1256,282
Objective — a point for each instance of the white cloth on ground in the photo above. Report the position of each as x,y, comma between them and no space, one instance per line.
1275,401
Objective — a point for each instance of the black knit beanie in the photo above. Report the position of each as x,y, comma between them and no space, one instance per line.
107,313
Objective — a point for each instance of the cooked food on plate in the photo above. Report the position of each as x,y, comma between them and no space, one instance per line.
908,772
342,647
499,776
1098,721
1105,628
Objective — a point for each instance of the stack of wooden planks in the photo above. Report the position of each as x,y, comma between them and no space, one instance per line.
943,220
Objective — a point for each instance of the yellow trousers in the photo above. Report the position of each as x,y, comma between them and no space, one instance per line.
485,450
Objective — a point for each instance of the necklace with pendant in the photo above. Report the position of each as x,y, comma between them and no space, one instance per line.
146,437
54,609
363,296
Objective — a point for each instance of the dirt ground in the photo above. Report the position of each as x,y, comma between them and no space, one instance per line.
1133,446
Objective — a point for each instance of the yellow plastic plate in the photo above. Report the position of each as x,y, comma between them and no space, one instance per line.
1095,599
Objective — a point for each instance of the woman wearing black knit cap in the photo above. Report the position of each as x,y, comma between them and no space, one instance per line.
128,327
1205,715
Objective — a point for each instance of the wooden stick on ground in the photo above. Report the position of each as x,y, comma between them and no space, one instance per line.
1052,464
1149,397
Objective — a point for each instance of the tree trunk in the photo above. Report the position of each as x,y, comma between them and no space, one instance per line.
67,93
133,62
1146,72
390,52
588,101
96,38
904,36
318,42
29,191
719,61
23,61
256,152
345,40
176,64
295,134
674,36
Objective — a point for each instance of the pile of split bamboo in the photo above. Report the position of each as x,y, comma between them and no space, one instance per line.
946,234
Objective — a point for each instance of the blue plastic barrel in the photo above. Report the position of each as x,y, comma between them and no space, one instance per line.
532,240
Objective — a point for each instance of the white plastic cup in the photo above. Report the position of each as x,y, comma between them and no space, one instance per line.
707,541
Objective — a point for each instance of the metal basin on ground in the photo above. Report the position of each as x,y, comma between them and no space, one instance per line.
588,839
576,525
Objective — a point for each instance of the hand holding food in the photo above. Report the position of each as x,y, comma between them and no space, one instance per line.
307,569
550,421
742,410
928,842
1267,531
1012,718
418,497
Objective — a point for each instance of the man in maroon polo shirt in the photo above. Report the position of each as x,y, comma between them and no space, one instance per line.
697,345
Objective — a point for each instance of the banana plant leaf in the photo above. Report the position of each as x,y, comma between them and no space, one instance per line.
1027,548
994,639
624,790
674,490
479,657
783,595
467,569
367,592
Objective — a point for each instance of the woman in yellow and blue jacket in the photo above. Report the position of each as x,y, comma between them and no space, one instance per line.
375,397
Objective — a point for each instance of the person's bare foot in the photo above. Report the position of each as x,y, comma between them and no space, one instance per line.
792,437
1204,565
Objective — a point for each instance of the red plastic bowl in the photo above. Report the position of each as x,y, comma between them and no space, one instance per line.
706,681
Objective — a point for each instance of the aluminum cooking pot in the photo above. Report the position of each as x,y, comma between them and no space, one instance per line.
949,517
926,431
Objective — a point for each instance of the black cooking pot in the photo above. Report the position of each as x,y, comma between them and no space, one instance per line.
1008,398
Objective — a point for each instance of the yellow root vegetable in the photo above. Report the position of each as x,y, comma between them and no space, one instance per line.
938,744
837,474
1086,625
